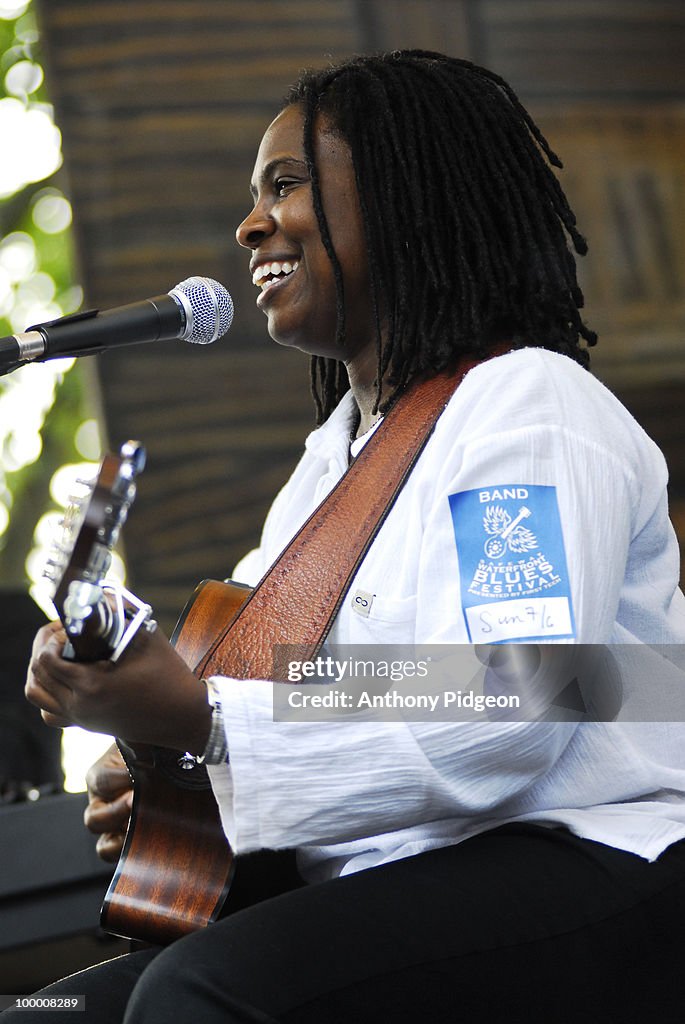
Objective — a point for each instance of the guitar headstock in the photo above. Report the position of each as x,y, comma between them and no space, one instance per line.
97,615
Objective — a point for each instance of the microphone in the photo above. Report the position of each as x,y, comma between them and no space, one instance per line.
198,310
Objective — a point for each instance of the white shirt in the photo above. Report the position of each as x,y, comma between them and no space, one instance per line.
532,442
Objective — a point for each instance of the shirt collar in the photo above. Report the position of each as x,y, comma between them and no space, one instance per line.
332,438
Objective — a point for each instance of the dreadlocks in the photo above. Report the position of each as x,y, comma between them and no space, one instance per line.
466,225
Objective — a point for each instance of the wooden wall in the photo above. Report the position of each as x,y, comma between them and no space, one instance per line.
162,105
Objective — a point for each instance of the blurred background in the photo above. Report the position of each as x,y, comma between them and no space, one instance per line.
128,133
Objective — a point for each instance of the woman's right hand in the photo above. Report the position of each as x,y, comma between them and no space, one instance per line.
110,795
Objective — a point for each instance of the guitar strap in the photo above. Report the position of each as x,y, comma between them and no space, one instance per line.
290,612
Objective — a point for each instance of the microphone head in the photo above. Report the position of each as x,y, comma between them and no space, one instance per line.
208,309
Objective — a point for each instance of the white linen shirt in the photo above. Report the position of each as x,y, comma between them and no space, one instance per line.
351,796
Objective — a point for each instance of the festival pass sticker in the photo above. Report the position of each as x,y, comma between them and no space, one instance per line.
512,564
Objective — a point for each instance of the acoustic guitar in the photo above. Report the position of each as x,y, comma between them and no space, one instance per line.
176,865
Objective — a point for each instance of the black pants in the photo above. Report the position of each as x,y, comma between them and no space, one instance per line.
520,924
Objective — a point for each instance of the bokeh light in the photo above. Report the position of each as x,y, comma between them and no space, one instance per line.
12,9
51,211
87,440
18,256
32,150
23,78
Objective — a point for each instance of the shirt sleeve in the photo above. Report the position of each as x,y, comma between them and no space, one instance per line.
317,783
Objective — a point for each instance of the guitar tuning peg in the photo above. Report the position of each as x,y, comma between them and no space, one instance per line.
133,452
53,569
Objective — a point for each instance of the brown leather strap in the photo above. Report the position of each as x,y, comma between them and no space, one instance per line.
294,605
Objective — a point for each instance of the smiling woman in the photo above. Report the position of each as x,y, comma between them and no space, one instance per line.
409,234
283,228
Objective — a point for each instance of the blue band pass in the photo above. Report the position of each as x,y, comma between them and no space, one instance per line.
512,564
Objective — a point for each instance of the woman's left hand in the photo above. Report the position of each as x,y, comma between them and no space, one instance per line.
148,696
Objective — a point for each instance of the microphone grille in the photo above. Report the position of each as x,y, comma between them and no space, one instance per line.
208,307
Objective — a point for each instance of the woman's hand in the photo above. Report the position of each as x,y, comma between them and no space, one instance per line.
148,696
110,795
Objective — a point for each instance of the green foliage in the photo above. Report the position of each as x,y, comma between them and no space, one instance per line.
25,488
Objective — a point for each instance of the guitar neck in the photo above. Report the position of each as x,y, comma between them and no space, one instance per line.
100,617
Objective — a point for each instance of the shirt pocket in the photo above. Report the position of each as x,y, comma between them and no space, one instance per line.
373,619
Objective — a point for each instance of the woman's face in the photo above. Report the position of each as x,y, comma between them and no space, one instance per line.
289,263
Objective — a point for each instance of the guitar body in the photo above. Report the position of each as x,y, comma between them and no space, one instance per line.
176,865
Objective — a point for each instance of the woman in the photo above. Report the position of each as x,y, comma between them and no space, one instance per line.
405,217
